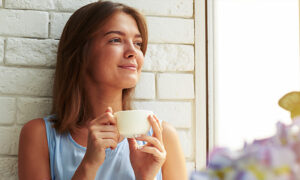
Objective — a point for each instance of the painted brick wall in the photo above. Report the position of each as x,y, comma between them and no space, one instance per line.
29,35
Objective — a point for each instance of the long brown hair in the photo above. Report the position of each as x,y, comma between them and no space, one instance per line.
68,94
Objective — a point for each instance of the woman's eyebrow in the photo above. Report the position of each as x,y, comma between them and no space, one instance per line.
120,33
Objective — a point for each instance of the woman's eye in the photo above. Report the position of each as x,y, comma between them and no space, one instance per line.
115,40
139,44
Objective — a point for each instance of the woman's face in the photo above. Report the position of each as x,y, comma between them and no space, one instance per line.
115,56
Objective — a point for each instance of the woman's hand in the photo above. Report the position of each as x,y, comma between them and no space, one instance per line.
103,133
147,160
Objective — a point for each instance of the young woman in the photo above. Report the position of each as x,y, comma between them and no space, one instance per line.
99,61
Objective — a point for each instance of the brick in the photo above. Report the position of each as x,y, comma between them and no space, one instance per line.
1,49
170,30
178,114
25,81
179,8
9,140
31,52
24,23
30,4
190,166
145,89
7,110
169,57
71,5
186,141
175,86
57,24
32,108
8,168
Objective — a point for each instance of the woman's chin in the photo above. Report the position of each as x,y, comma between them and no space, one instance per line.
128,84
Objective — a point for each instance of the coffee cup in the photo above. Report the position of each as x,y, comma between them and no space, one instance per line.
132,123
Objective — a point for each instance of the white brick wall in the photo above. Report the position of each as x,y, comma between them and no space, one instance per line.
25,81
8,168
24,23
179,114
9,140
175,86
176,8
145,89
38,107
1,50
57,23
169,57
31,52
7,110
186,138
71,5
30,4
29,34
167,30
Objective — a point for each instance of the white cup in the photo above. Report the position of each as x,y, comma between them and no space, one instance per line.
132,123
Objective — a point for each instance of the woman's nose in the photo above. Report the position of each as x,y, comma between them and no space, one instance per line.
130,50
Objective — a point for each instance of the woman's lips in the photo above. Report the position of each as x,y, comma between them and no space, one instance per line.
132,68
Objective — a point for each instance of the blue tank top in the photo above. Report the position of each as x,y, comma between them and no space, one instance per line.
66,155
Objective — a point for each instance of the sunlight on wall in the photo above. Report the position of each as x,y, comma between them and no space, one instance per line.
256,54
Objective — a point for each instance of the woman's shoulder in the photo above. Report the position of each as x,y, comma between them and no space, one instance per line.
34,129
37,127
34,125
168,130
33,147
174,166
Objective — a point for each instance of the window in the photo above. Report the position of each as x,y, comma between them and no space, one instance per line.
255,61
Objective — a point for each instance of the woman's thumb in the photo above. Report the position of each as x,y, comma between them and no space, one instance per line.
132,144
109,109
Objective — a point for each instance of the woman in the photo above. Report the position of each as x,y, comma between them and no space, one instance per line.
99,61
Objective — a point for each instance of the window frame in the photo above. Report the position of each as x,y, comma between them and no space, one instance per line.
201,84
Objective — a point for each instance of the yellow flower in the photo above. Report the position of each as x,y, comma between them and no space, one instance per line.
282,170
259,174
291,102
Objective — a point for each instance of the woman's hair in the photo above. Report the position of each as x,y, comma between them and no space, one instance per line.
68,93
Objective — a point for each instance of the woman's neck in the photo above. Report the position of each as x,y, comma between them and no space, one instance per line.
97,101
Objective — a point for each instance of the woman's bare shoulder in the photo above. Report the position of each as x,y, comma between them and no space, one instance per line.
34,129
174,167
34,125
33,147
33,133
169,131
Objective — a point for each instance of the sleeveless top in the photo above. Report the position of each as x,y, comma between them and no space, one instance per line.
66,155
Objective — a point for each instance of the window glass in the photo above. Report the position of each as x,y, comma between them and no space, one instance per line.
256,62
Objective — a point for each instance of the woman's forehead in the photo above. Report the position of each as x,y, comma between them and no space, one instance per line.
121,22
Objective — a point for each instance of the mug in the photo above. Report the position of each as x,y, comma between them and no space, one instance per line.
132,123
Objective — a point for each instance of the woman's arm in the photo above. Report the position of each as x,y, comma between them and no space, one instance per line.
33,158
174,167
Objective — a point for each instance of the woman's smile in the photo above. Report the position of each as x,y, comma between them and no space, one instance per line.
131,67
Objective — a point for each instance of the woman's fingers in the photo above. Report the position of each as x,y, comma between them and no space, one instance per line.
105,128
151,140
108,135
157,131
109,109
96,135
154,151
109,143
106,118
133,145
160,125
105,139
